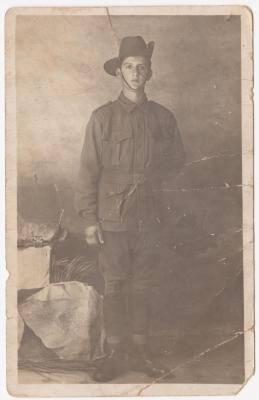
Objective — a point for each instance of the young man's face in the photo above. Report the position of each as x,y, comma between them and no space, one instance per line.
136,71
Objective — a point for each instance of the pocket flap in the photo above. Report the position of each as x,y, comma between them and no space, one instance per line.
118,136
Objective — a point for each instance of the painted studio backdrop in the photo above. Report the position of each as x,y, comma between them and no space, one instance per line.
197,297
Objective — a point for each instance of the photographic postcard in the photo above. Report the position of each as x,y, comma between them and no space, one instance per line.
129,198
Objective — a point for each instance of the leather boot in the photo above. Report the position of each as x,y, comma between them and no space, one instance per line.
141,360
113,365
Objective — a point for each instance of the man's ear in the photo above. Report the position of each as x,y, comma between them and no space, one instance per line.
118,72
149,75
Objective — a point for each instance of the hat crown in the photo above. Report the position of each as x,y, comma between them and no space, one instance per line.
133,46
130,46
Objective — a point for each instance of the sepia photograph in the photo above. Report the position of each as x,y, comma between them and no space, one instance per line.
129,200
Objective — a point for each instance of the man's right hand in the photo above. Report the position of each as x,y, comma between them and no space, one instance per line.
94,235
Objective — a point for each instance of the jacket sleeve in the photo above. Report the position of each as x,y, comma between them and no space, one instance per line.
89,172
178,156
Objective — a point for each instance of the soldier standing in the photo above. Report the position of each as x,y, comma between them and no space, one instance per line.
131,145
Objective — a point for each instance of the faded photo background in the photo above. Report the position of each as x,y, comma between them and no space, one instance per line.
197,299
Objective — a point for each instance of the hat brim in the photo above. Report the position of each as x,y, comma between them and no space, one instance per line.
111,65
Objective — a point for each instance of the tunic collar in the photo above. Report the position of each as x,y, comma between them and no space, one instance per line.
130,106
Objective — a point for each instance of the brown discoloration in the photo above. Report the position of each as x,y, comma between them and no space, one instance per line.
57,86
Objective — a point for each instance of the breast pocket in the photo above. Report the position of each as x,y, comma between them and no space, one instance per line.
117,150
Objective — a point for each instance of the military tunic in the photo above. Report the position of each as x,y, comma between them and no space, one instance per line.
128,150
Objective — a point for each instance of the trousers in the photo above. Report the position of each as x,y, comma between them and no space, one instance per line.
128,261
